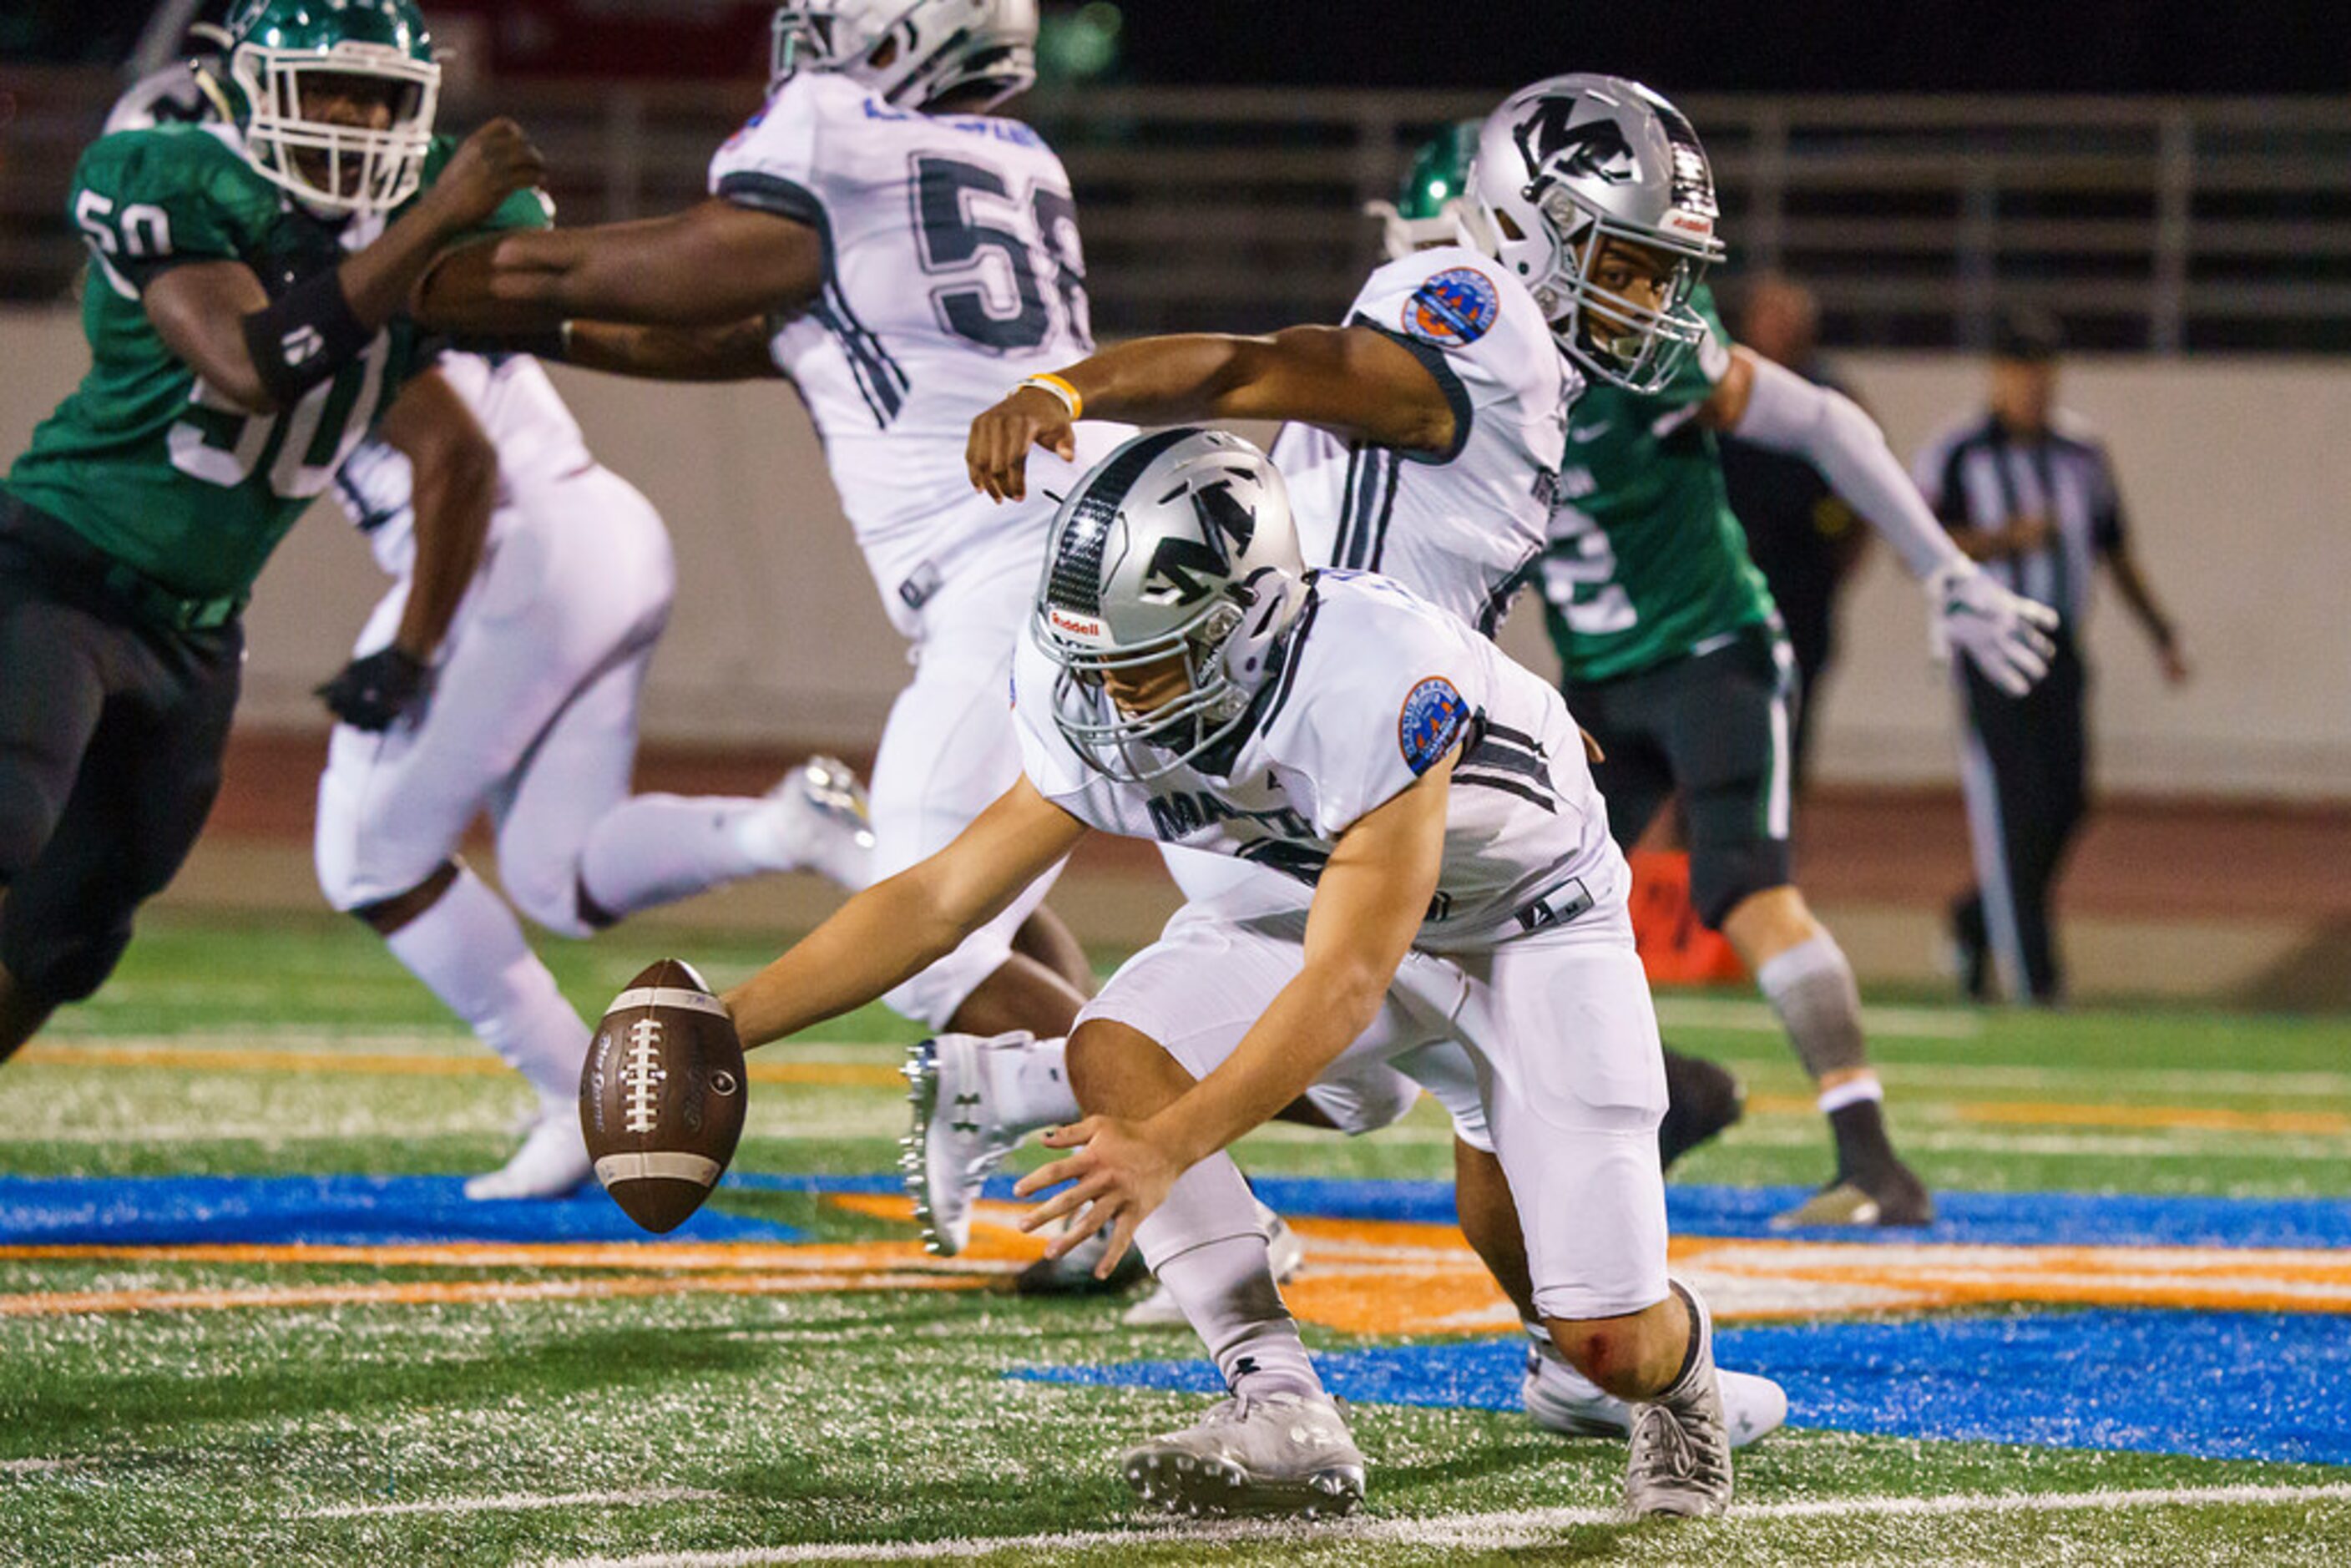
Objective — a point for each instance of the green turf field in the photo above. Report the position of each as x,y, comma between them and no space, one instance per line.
488,1408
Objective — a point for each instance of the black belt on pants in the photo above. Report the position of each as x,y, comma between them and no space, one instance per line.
64,550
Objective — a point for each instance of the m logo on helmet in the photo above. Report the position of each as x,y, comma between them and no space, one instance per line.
1222,518
1595,149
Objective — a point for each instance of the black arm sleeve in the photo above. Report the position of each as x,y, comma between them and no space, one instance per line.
305,336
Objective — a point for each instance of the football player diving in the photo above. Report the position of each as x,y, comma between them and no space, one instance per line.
1188,679
244,311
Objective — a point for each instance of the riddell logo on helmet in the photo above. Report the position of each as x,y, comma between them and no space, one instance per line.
1691,224
1076,625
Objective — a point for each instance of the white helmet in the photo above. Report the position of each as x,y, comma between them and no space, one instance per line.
928,48
1575,160
1178,544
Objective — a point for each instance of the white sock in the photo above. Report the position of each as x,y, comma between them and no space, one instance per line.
469,951
1205,1244
658,849
1030,1083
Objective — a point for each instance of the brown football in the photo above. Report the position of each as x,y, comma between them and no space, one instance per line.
662,1096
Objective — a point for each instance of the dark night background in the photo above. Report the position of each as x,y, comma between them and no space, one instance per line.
1908,45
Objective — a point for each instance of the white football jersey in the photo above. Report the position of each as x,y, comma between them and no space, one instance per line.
952,270
1461,528
527,421
1376,687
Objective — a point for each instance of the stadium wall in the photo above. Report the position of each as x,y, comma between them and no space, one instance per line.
2235,473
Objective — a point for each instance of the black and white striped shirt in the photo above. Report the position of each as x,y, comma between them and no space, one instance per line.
1977,476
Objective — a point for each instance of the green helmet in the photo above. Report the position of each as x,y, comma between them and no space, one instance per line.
329,164
1422,213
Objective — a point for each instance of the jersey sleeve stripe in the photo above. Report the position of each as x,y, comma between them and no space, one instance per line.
881,380
1379,541
1433,360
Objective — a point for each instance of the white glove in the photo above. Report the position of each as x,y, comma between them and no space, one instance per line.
2005,633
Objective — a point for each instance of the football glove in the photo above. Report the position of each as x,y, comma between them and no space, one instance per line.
2005,633
375,691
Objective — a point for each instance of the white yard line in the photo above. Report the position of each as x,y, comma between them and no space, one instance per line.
35,1467
1757,1018
1480,1531
520,1502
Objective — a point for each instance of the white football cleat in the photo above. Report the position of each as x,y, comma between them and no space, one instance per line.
956,1141
1679,1462
1159,1310
1281,1454
1561,1399
553,1162
819,817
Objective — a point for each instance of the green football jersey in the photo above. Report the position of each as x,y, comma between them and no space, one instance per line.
1646,562
144,460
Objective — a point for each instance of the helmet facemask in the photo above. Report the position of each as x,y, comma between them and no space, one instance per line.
331,166
1618,339
1572,165
1174,556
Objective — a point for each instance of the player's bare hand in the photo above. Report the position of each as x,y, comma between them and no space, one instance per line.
494,164
997,451
1116,1177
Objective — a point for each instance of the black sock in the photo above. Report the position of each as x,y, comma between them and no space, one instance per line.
1863,1148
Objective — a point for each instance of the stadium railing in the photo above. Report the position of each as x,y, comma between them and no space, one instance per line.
2150,224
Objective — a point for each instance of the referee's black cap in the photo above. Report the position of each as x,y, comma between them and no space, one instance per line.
2031,335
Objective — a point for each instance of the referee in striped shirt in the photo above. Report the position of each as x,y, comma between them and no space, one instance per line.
2027,491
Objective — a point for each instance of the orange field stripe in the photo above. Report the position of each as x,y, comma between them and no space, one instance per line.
233,1059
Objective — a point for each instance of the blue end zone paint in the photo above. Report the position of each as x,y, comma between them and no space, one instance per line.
2220,1386
331,1210
1992,1218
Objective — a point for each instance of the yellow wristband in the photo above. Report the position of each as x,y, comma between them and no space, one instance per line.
1060,389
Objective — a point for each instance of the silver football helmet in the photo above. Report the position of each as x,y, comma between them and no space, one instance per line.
1575,160
911,52
1177,545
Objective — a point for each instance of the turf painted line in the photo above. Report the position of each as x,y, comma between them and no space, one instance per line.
1757,1018
1482,1531
520,1502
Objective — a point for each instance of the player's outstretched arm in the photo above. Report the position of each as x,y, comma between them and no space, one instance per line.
454,491
709,265
1368,905
1352,379
737,351
1758,401
264,354
900,926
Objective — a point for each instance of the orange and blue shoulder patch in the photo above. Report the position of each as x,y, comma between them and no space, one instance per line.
1430,723
1453,309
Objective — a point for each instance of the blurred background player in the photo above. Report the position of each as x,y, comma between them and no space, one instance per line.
1802,536
532,720
924,251
1671,650
245,282
2028,489
526,712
